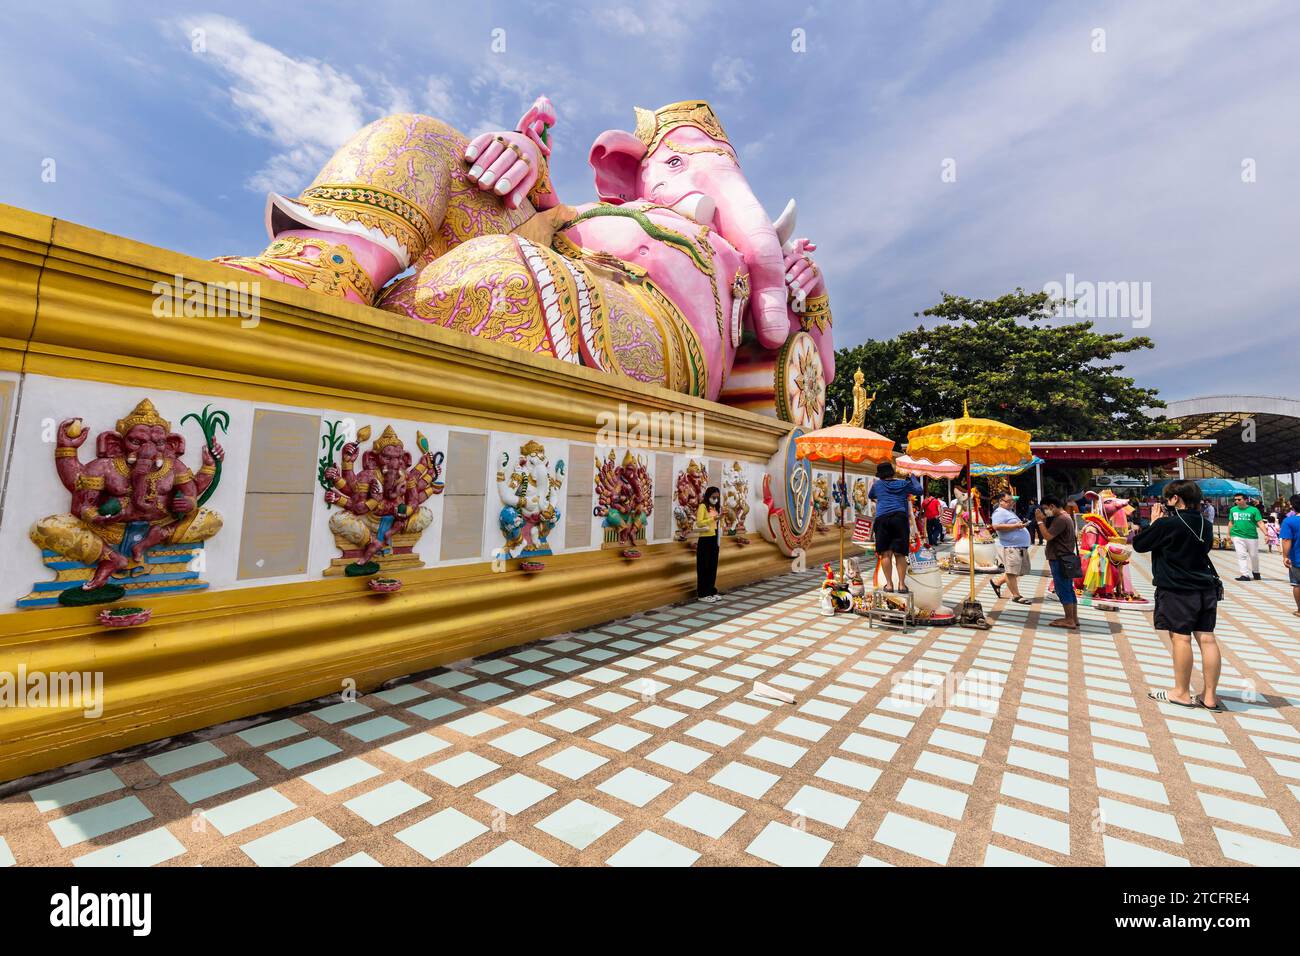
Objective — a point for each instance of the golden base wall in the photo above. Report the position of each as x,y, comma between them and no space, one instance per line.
261,617
220,656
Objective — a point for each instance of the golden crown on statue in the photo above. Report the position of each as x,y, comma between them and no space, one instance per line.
651,126
143,414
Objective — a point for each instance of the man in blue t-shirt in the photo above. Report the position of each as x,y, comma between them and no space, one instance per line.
1013,543
892,524
1290,536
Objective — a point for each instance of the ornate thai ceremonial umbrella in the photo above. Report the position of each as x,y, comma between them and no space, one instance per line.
944,468
980,441
844,443
1020,467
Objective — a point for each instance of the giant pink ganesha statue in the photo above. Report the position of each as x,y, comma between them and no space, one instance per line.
675,276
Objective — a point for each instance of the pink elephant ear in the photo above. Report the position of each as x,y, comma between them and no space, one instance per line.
616,157
109,445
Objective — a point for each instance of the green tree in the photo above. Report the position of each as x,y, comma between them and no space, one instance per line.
1059,382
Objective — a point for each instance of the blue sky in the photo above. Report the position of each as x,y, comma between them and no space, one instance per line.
1114,156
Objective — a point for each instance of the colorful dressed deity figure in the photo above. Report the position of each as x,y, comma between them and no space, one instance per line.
531,492
980,538
1105,553
625,498
823,506
735,503
839,500
134,496
381,506
968,510
687,495
666,278
861,503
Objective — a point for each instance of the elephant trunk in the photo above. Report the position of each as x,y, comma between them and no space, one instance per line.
147,460
745,224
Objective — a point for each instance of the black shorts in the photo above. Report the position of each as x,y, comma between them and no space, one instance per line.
1184,612
892,534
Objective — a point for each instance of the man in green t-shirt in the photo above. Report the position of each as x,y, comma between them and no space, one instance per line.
1245,528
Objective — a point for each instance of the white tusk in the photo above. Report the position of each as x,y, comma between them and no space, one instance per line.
784,223
699,207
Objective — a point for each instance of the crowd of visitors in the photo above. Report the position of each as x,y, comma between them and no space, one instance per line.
1177,528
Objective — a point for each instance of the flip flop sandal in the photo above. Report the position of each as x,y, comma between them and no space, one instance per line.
1163,698
1022,600
997,589
1217,708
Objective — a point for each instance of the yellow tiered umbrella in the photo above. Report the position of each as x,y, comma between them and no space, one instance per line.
980,441
844,443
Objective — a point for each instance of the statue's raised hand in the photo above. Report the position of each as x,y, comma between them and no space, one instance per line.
505,163
803,279
72,433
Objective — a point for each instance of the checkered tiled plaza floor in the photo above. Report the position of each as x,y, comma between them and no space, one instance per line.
641,742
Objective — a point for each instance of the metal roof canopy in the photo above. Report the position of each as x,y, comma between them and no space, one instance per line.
1099,454
1253,434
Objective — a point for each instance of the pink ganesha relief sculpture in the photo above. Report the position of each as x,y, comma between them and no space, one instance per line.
688,493
673,276
135,520
381,512
625,501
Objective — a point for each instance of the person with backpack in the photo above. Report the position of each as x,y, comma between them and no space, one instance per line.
1188,590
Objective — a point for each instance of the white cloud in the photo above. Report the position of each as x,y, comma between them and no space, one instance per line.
731,74
308,108
304,106
392,98
756,148
1115,166
438,98
620,20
